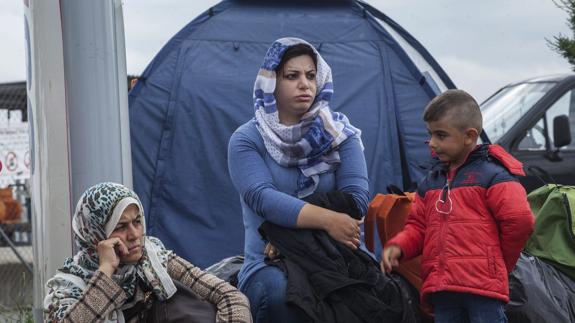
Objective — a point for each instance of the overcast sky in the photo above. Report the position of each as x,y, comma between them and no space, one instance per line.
482,45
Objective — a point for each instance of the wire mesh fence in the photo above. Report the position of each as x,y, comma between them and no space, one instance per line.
15,267
16,255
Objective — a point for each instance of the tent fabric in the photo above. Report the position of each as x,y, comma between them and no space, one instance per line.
198,90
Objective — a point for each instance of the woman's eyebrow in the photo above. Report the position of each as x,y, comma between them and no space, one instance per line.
128,221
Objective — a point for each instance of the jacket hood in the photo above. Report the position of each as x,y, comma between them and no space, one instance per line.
514,166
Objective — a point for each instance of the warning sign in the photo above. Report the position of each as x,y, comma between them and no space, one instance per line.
11,161
14,152
27,159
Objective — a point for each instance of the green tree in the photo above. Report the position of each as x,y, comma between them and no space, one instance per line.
562,44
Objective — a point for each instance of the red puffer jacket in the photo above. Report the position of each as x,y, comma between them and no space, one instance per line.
472,240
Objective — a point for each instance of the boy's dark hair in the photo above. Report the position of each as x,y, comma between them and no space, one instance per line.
461,108
295,51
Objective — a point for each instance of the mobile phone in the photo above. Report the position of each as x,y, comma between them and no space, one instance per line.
117,250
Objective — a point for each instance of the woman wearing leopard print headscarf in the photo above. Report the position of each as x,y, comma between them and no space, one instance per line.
118,267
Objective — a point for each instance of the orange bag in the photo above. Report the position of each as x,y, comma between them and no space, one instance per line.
10,209
388,212
2,211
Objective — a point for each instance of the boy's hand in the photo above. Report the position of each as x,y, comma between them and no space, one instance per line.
389,258
271,252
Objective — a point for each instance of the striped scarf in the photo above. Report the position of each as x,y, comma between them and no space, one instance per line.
312,144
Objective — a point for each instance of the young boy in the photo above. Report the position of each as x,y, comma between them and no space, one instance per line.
470,218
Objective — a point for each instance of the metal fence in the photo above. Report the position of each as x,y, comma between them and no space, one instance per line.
16,261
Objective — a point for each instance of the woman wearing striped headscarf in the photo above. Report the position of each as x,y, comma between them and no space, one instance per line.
295,146
118,268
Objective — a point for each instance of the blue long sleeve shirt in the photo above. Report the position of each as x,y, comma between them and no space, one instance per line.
268,190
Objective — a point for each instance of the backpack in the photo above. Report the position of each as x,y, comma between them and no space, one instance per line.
553,238
388,213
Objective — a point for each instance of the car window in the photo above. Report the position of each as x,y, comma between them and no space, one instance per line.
504,109
535,138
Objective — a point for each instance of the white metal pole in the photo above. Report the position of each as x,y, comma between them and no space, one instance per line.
80,134
96,93
50,172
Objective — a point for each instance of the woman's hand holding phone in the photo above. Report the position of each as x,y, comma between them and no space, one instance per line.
109,253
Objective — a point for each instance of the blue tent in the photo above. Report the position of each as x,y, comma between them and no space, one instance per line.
198,90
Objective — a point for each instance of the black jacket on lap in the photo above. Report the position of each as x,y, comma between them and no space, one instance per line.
329,281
